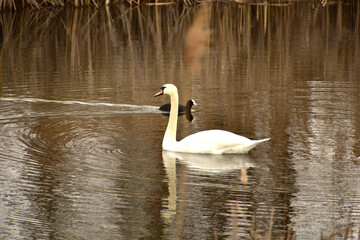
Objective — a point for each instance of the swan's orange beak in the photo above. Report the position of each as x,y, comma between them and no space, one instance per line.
161,92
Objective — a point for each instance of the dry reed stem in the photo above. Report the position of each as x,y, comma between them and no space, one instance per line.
345,231
334,232
234,211
290,233
271,223
160,3
12,4
253,234
348,226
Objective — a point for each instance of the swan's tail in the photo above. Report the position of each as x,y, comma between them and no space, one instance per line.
261,140
244,149
256,142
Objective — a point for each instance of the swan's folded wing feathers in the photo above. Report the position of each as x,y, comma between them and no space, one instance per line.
214,141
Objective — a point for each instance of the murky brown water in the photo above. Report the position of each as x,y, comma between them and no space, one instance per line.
80,135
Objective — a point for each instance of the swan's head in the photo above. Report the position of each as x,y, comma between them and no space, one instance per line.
168,89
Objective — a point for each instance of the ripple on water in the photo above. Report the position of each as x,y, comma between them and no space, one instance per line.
28,143
41,124
48,157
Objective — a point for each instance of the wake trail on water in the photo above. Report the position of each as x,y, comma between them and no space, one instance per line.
144,108
76,110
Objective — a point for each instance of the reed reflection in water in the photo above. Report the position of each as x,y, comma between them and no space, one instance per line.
80,141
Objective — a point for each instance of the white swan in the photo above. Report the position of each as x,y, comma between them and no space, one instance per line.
209,141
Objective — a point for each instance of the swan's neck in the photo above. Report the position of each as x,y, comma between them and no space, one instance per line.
170,134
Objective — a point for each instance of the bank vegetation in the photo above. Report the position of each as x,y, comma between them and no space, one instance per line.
37,4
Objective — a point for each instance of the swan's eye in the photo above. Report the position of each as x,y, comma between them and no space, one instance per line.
161,92
162,89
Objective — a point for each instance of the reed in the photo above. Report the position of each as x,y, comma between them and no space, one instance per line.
238,215
15,4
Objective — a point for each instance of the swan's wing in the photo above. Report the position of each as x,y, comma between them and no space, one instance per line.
215,142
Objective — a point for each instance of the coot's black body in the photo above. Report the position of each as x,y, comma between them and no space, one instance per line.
182,108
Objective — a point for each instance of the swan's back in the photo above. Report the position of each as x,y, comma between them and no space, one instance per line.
216,142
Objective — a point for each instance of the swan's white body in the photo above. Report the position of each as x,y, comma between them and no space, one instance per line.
208,142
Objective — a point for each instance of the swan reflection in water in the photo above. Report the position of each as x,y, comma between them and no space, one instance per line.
209,163
200,164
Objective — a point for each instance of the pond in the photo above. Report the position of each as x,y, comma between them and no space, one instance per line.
81,133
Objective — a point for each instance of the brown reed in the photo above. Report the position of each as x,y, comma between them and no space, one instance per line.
15,4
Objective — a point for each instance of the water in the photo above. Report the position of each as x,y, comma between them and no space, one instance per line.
80,149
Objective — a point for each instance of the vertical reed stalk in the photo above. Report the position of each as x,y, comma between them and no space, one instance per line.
234,210
271,223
